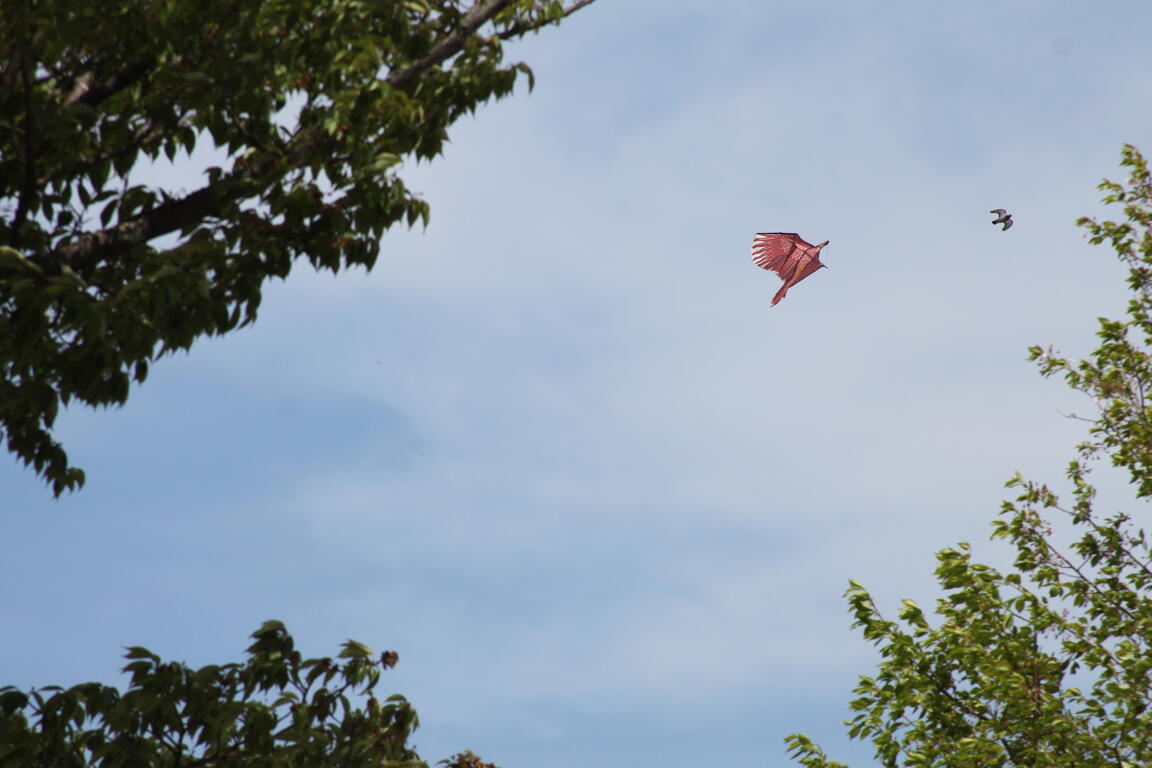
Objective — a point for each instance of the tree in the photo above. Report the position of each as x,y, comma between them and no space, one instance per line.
276,709
316,103
1049,663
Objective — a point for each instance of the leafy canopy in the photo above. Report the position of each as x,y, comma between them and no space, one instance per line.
316,105
1047,665
276,709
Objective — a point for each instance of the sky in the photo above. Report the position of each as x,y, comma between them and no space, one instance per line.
558,451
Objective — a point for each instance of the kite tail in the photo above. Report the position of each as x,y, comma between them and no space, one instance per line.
780,294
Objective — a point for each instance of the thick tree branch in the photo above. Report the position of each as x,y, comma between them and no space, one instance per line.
169,216
89,90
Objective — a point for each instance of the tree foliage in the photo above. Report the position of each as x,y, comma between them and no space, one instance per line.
1048,664
276,709
315,105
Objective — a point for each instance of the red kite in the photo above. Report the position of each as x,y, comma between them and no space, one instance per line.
788,255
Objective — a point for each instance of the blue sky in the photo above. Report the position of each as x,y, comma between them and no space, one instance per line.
557,450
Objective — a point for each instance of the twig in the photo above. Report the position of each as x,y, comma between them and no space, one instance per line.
520,29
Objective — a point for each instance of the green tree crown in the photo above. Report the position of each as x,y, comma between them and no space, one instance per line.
317,104
275,710
1048,664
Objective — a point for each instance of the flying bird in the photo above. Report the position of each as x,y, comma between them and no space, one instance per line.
1005,218
788,255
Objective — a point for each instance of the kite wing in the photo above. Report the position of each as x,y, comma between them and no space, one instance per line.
788,255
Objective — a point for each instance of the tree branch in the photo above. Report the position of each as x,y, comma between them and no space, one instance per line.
9,69
450,45
520,29
28,189
169,216
88,90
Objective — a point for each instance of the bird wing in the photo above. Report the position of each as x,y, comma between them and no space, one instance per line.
779,252
999,211
788,255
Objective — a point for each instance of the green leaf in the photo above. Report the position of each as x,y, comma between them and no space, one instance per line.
12,700
355,650
196,78
137,652
14,261
385,160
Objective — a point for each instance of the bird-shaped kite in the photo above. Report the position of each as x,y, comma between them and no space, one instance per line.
788,255
1005,218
